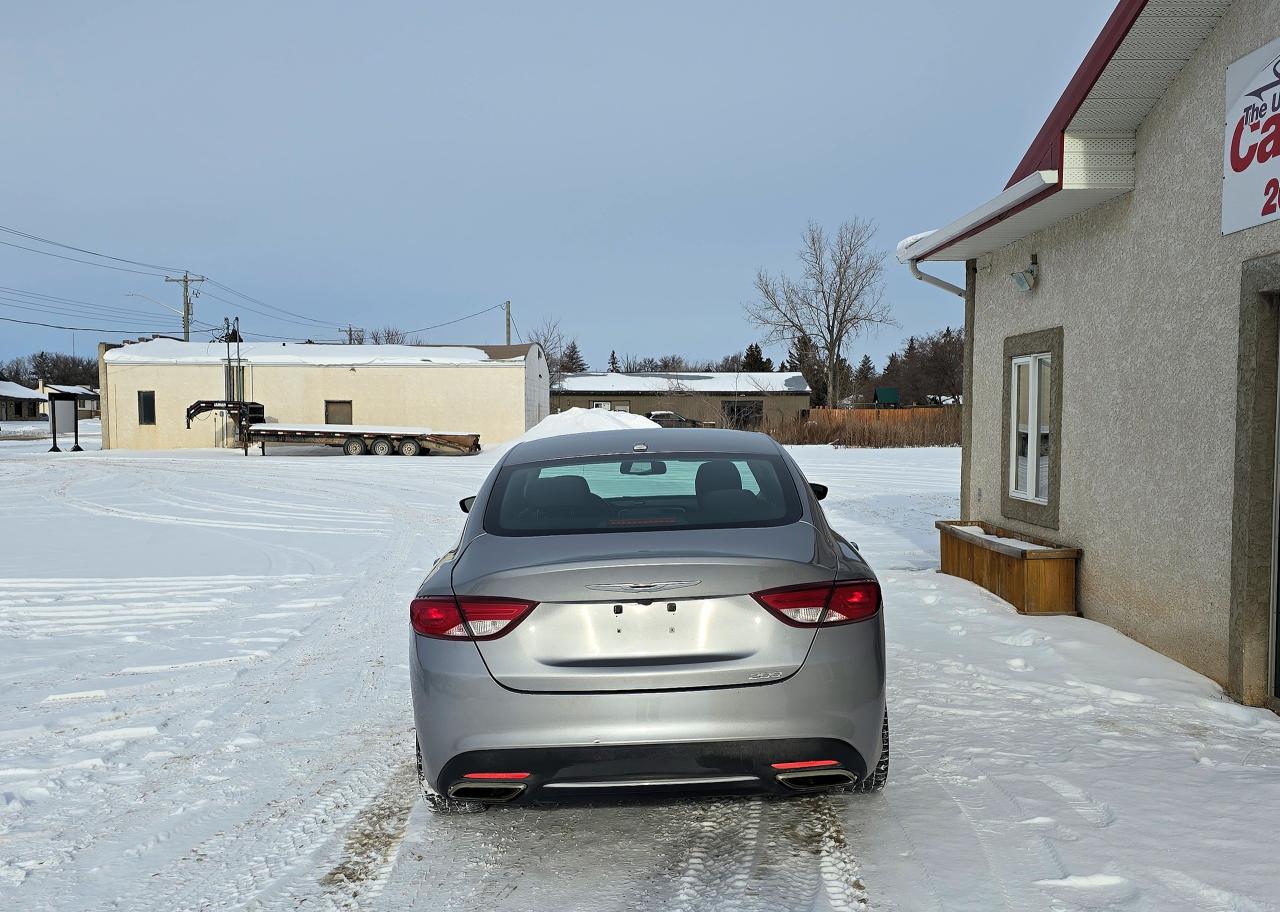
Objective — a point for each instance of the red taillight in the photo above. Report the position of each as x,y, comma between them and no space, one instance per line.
852,601
467,618
496,776
804,764
823,605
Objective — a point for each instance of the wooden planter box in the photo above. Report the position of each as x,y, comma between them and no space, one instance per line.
1033,575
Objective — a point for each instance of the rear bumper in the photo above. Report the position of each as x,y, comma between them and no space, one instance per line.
575,744
719,767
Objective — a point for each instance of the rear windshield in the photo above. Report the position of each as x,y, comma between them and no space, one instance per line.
642,493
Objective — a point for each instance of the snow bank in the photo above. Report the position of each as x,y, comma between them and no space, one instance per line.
578,421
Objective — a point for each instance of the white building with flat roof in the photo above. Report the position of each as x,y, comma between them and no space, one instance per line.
496,391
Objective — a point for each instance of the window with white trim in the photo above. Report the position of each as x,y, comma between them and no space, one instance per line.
1030,420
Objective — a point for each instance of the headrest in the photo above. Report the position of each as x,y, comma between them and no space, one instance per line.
558,491
717,475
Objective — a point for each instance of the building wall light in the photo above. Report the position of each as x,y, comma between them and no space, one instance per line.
1026,279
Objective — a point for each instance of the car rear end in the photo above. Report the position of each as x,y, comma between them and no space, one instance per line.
676,618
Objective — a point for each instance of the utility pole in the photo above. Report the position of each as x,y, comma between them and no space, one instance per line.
186,280
507,307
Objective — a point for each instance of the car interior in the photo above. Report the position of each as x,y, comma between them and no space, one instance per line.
621,494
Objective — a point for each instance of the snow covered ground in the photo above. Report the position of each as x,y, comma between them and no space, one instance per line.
203,705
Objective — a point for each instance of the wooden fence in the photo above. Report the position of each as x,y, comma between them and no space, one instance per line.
923,426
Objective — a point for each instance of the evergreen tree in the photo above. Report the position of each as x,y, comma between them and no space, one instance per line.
571,360
614,366
864,379
753,360
804,358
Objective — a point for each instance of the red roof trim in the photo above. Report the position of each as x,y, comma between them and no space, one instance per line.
995,219
1045,153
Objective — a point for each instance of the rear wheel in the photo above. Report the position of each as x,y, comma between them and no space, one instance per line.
410,447
381,446
353,447
443,804
880,775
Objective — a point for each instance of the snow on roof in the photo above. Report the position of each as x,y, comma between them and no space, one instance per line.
901,250
685,382
579,421
11,390
84,392
171,351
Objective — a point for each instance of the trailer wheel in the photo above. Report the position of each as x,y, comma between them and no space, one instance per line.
353,447
410,447
381,446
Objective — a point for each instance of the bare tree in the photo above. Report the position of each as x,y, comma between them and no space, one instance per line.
551,338
389,335
839,296
631,364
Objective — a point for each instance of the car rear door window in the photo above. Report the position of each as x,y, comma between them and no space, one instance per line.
653,492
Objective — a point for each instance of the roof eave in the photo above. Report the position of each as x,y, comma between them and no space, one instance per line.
1027,192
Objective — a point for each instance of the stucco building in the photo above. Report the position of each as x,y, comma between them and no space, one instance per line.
19,403
496,391
1121,313
739,400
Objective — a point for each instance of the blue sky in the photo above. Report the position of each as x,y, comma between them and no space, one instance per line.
624,168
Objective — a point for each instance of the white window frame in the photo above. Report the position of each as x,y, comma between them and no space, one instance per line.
602,404
1032,363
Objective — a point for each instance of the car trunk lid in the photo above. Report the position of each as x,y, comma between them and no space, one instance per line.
623,616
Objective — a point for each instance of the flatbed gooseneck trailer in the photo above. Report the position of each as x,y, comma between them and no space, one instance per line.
355,440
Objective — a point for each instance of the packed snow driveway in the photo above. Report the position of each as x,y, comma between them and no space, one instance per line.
204,706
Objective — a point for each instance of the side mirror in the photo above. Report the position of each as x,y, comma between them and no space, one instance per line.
819,490
467,503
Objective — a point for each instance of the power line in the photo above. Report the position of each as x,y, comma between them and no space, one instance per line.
458,320
316,323
124,332
71,306
161,274
86,262
80,315
241,294
35,237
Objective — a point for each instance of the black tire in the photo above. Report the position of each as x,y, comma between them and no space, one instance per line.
880,775
381,446
443,804
354,447
410,447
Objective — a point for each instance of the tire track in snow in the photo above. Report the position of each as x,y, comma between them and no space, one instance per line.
768,854
272,856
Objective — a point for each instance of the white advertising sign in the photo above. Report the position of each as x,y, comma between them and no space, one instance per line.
65,411
1251,152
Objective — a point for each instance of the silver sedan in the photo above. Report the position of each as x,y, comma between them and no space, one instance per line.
629,612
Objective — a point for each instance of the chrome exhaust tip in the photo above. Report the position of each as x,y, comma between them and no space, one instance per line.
815,779
493,792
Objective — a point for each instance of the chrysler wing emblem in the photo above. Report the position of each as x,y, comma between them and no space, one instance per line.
643,587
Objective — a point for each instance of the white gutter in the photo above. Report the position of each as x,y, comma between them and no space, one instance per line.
934,280
930,242
920,247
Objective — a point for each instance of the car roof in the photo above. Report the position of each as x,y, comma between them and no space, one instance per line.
658,441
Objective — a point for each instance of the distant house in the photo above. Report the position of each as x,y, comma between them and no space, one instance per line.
86,398
738,400
496,391
19,403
